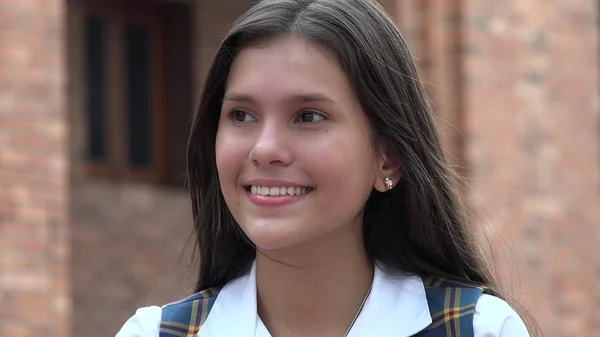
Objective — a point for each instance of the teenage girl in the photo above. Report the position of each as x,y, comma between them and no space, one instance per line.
322,202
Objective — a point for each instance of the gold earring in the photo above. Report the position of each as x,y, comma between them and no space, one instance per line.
389,183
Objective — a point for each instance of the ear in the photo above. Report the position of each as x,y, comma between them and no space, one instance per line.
388,166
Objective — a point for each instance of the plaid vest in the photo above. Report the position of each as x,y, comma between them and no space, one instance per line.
451,304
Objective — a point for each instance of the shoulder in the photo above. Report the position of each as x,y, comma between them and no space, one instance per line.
144,323
191,312
462,303
153,320
496,318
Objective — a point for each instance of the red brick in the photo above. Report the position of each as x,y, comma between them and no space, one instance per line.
33,169
531,120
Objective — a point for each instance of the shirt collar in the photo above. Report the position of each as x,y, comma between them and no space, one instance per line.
397,306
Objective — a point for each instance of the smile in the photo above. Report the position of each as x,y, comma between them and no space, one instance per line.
279,190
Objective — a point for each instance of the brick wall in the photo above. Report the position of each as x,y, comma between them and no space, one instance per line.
126,252
531,91
518,83
34,232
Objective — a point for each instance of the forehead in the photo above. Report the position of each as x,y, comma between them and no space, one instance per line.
286,65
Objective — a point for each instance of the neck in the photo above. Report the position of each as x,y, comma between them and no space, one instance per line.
314,289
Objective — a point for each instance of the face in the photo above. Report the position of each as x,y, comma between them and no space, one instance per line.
294,148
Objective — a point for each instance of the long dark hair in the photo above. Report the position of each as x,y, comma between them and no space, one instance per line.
419,227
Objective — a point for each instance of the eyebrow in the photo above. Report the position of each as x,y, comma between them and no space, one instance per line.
302,98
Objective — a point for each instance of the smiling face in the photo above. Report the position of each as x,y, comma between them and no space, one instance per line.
294,148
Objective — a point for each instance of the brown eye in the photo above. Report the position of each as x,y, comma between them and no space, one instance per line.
241,116
310,116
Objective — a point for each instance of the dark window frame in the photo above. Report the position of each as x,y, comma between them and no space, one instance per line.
117,15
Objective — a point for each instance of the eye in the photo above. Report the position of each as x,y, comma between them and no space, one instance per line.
241,116
310,116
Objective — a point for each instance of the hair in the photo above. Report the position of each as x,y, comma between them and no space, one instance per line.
420,226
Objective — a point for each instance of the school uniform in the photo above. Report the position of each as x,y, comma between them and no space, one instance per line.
398,306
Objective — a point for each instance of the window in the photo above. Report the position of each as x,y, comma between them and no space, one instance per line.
137,43
96,82
125,91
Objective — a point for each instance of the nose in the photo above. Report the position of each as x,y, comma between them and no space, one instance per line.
271,147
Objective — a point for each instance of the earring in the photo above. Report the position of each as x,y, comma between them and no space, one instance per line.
388,182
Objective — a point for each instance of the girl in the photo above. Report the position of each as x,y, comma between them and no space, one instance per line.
322,202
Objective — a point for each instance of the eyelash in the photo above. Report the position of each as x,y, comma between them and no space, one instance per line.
232,116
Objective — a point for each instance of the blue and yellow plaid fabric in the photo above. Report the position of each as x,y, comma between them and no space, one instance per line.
185,318
451,304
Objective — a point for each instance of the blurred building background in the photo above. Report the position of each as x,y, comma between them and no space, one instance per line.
95,102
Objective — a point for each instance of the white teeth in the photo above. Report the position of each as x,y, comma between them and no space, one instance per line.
278,190
264,190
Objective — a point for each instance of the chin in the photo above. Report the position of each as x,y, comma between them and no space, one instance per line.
273,241
273,235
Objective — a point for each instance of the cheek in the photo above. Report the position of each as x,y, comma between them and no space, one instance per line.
230,156
344,166
345,182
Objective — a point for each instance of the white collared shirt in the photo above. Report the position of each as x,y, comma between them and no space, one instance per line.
397,306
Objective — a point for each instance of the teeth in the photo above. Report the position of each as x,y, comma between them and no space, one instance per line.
274,191
278,190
